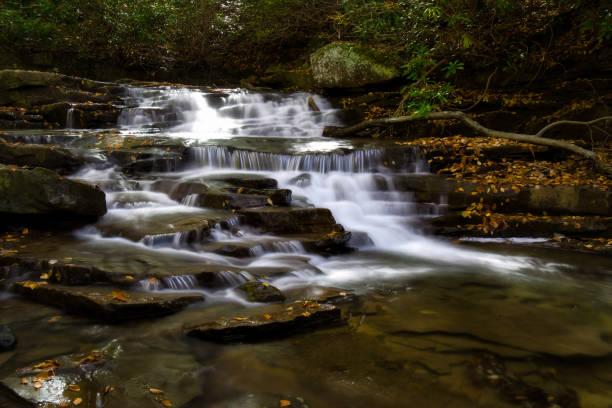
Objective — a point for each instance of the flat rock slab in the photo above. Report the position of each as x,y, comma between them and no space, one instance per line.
273,322
106,303
289,220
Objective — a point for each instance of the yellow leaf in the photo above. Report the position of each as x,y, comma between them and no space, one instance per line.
284,403
24,380
44,276
119,296
155,391
37,385
166,403
46,365
77,401
240,318
306,314
267,316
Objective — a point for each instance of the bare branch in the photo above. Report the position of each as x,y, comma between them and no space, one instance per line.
460,116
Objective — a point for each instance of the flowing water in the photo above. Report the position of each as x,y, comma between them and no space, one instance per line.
429,313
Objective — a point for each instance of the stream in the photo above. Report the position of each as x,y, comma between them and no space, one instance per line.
431,322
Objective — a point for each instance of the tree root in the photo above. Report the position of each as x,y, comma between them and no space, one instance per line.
537,139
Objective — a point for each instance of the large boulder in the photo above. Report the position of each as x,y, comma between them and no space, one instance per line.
348,65
42,195
49,157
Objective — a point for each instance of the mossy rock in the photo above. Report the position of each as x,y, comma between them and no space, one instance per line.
30,195
348,65
262,292
49,157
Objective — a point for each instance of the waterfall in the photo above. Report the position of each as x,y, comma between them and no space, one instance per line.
70,118
181,282
215,115
222,157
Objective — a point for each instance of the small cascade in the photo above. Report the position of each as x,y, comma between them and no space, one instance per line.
257,251
70,118
233,279
190,200
222,157
175,240
288,247
181,282
150,284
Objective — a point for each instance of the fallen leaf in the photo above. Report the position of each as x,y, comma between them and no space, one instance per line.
24,380
267,316
46,365
166,403
284,403
74,388
77,401
155,391
119,296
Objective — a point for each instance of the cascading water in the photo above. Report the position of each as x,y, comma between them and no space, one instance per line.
204,115
355,183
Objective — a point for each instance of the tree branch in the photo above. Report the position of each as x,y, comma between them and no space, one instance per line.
536,139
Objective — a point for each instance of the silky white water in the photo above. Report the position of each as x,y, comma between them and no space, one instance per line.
355,184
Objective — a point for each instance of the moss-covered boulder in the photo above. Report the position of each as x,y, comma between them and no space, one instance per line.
347,65
42,195
49,157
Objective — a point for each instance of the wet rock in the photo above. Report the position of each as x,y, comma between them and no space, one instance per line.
58,382
179,190
161,163
489,370
278,197
322,294
263,292
40,195
332,242
246,181
289,220
348,65
7,338
229,201
104,302
32,155
303,180
272,322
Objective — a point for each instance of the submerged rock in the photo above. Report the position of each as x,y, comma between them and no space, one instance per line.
273,322
40,195
31,155
348,65
105,302
263,292
7,338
